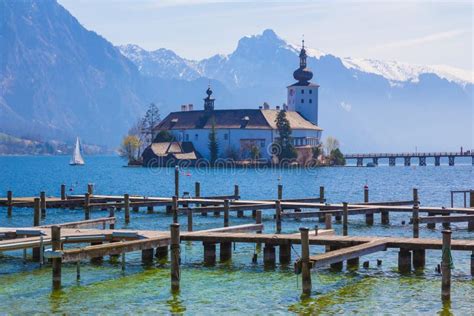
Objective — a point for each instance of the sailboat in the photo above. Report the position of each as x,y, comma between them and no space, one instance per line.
77,159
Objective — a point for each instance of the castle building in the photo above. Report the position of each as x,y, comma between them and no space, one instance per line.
239,131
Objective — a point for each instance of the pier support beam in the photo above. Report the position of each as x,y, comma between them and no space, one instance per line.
451,160
190,220
9,203
422,161
472,264
375,161
407,161
174,208
278,216
285,253
269,255
97,260
63,192
328,221
392,161
176,181
416,220
321,194
431,225
345,219
87,210
446,267
225,251
56,262
36,222
353,263
226,212
437,160
419,258
147,256
404,260
385,217
360,162
305,264
43,203
175,257
161,252
337,266
280,192
209,253
149,209
126,201
369,218
258,219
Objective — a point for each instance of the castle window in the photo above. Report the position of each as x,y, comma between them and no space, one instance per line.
302,91
195,136
302,100
310,91
226,136
310,100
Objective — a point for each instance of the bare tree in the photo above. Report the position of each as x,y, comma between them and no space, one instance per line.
331,144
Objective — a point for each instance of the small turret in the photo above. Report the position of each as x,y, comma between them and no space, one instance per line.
209,101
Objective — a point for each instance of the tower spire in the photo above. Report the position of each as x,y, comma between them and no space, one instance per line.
209,101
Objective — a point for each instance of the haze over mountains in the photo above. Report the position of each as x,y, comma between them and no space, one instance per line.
59,80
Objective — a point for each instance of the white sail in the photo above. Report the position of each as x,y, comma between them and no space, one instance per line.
76,155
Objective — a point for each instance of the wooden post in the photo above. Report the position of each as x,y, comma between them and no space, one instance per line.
344,218
472,263
254,213
415,196
305,265
90,188
149,209
446,267
175,257
385,217
269,255
161,252
9,203
321,194
87,211
236,192
56,262
190,220
446,225
176,181
471,198
470,226
37,211
226,212
280,192
369,217
404,260
43,203
431,225
147,256
416,221
336,266
285,253
126,202
419,256
112,214
209,253
63,192
278,216
353,263
226,251
328,221
197,194
174,208
36,222
258,219
97,260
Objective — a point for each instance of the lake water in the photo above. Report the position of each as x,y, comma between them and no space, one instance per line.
240,286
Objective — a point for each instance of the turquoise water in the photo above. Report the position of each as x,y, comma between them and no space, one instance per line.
239,286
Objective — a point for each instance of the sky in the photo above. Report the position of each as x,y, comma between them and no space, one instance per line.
418,32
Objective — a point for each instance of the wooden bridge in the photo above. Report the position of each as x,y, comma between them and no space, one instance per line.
407,157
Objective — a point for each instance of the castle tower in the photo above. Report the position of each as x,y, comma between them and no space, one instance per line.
209,101
303,95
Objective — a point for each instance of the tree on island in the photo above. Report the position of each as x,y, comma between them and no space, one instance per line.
130,149
334,153
213,145
149,122
284,147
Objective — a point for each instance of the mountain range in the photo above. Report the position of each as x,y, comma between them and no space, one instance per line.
59,80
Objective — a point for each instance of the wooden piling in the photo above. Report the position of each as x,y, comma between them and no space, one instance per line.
37,212
369,217
472,263
404,260
190,220
174,209
236,192
161,252
9,203
419,260
97,260
176,181
126,202
90,188
149,209
416,221
321,194
328,221
470,226
56,262
87,211
36,222
446,267
305,264
471,198
112,214
63,192
175,257
415,196
225,251
43,203
353,263
135,209
285,253
385,217
278,216
280,192
269,255
197,194
209,253
147,256
258,219
226,212
345,216
446,225
431,225
336,266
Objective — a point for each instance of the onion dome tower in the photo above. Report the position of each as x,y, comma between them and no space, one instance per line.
303,95
209,101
